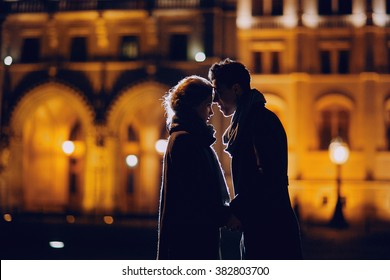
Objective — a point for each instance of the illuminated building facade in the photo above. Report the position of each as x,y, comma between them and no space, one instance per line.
93,73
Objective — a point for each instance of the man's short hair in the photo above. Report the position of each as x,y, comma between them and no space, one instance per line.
230,72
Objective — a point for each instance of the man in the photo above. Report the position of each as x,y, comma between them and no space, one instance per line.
257,144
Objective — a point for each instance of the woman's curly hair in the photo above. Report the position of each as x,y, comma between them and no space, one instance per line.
189,93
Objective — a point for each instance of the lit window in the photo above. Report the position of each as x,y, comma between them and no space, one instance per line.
129,48
334,122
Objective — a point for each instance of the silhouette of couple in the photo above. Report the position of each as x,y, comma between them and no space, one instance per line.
195,203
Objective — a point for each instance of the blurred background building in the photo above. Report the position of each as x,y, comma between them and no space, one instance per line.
81,84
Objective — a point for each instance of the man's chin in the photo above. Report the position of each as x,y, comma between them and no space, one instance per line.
227,113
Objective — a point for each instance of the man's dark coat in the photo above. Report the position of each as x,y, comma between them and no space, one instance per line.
262,203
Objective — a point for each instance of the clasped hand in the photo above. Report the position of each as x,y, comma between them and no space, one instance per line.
233,223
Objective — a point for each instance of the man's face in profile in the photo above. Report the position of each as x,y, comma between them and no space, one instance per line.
225,97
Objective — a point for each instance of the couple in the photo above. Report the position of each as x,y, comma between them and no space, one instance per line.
195,202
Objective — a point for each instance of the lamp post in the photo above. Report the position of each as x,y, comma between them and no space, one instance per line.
338,153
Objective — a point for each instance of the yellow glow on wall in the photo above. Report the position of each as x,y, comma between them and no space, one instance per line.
380,19
109,220
244,15
290,21
359,20
310,20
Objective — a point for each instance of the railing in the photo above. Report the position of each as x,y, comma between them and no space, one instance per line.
335,21
35,6
273,22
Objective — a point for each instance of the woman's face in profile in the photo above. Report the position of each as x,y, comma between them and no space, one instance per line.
205,109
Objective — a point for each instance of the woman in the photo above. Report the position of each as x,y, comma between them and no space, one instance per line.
194,197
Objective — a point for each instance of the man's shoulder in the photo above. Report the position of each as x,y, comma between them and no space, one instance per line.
259,109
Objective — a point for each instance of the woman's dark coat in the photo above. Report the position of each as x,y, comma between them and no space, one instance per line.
262,202
193,194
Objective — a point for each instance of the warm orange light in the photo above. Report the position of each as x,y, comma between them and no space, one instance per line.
7,217
338,151
70,219
108,220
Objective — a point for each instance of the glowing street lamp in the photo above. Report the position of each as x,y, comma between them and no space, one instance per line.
73,149
68,147
339,154
8,60
200,57
161,146
131,160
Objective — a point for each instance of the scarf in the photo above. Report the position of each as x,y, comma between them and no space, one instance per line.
233,133
193,124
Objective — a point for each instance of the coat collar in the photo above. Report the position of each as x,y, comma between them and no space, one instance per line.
195,126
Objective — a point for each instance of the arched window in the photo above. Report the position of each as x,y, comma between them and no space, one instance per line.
132,135
334,122
334,119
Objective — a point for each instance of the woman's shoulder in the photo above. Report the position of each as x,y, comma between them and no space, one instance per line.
181,138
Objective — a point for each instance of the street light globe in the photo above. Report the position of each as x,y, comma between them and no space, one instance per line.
338,151
8,60
161,146
200,57
68,147
131,160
